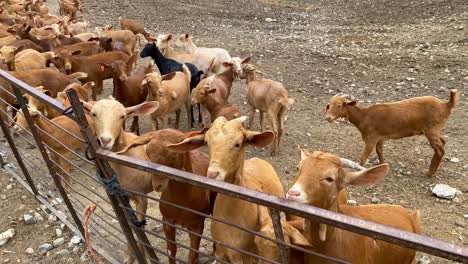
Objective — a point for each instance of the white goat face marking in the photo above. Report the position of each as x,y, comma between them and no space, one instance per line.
216,171
160,41
236,65
297,193
108,116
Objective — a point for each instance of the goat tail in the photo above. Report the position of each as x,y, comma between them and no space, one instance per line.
78,75
186,72
416,221
454,99
141,140
285,101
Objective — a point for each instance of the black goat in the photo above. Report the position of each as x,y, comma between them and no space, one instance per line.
167,66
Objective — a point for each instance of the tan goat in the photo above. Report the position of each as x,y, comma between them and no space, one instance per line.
319,178
269,97
7,54
108,116
172,91
182,194
226,141
30,59
269,249
416,116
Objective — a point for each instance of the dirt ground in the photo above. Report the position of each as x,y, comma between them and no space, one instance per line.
15,202
374,50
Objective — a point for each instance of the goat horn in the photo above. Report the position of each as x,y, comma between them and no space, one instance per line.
346,163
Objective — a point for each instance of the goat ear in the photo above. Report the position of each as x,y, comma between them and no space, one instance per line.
366,177
150,39
186,36
351,103
212,90
102,66
246,60
258,139
87,106
76,52
20,48
302,153
47,92
169,37
109,40
145,108
88,85
28,28
227,64
295,236
188,144
169,76
93,39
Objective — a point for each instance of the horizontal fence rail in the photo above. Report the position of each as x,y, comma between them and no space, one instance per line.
115,241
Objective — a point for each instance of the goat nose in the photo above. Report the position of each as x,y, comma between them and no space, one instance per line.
294,193
213,174
67,66
105,140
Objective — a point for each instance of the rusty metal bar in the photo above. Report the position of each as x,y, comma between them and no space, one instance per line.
276,218
106,170
389,234
46,158
11,142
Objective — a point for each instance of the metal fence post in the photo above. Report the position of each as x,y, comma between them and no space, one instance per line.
17,155
46,158
275,216
107,172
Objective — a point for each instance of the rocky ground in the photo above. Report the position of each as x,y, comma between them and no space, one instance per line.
38,236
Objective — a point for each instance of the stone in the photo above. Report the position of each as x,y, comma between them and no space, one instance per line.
52,218
6,260
424,260
58,232
75,250
7,235
9,187
45,247
75,240
38,217
29,219
24,197
460,223
269,19
454,160
3,197
29,250
62,252
375,200
466,216
58,242
444,191
352,202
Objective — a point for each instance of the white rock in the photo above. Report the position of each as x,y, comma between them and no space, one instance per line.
58,242
75,240
58,232
269,19
45,247
375,200
424,260
352,202
30,250
38,217
455,160
7,235
465,216
444,191
29,219
52,218
62,252
9,187
3,197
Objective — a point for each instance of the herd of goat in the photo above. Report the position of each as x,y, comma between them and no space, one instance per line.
57,53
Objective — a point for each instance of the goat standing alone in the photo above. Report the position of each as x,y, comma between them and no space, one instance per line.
425,115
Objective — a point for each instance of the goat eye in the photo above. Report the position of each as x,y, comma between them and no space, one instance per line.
93,114
237,145
122,117
329,179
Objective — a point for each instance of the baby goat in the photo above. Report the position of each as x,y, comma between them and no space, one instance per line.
416,116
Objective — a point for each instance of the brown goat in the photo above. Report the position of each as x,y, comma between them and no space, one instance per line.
118,40
93,65
51,79
416,116
134,26
127,87
179,193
